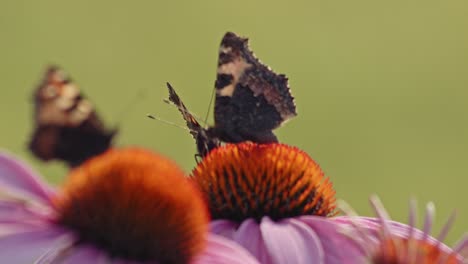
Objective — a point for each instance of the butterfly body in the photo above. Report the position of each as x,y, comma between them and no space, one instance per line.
251,100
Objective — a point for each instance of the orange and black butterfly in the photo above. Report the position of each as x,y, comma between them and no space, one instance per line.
67,126
251,100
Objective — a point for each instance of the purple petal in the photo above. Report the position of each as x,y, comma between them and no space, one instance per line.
250,237
16,217
83,254
290,241
368,221
224,228
396,229
15,228
462,245
338,247
55,254
15,176
14,210
18,211
27,247
220,250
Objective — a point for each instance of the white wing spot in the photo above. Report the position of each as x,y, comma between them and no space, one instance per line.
235,68
224,49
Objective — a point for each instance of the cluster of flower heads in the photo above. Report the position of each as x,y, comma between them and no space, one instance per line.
243,203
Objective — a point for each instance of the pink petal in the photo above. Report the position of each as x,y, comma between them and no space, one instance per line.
18,211
220,250
15,217
14,210
20,227
224,228
290,241
396,228
83,254
372,226
27,247
55,254
16,176
249,236
338,247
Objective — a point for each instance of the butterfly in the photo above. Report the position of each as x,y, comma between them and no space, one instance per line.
251,100
67,126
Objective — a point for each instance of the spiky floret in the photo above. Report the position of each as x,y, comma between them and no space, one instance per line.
250,180
396,251
135,205
388,242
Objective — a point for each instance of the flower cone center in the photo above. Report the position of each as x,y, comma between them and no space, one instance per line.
134,205
249,180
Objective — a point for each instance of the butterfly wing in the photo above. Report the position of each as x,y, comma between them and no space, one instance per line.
67,127
251,100
205,143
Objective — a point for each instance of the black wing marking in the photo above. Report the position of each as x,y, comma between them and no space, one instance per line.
251,99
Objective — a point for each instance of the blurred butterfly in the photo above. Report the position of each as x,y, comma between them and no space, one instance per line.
251,100
67,127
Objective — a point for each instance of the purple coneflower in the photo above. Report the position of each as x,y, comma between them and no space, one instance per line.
384,241
274,200
123,206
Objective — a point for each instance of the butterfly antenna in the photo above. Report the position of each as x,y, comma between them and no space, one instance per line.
126,109
150,116
205,121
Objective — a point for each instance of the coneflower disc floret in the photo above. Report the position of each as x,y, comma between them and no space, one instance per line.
249,180
135,205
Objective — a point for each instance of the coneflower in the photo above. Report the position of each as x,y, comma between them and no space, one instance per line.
123,206
384,241
275,201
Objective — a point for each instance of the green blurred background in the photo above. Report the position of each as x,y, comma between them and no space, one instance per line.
381,87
